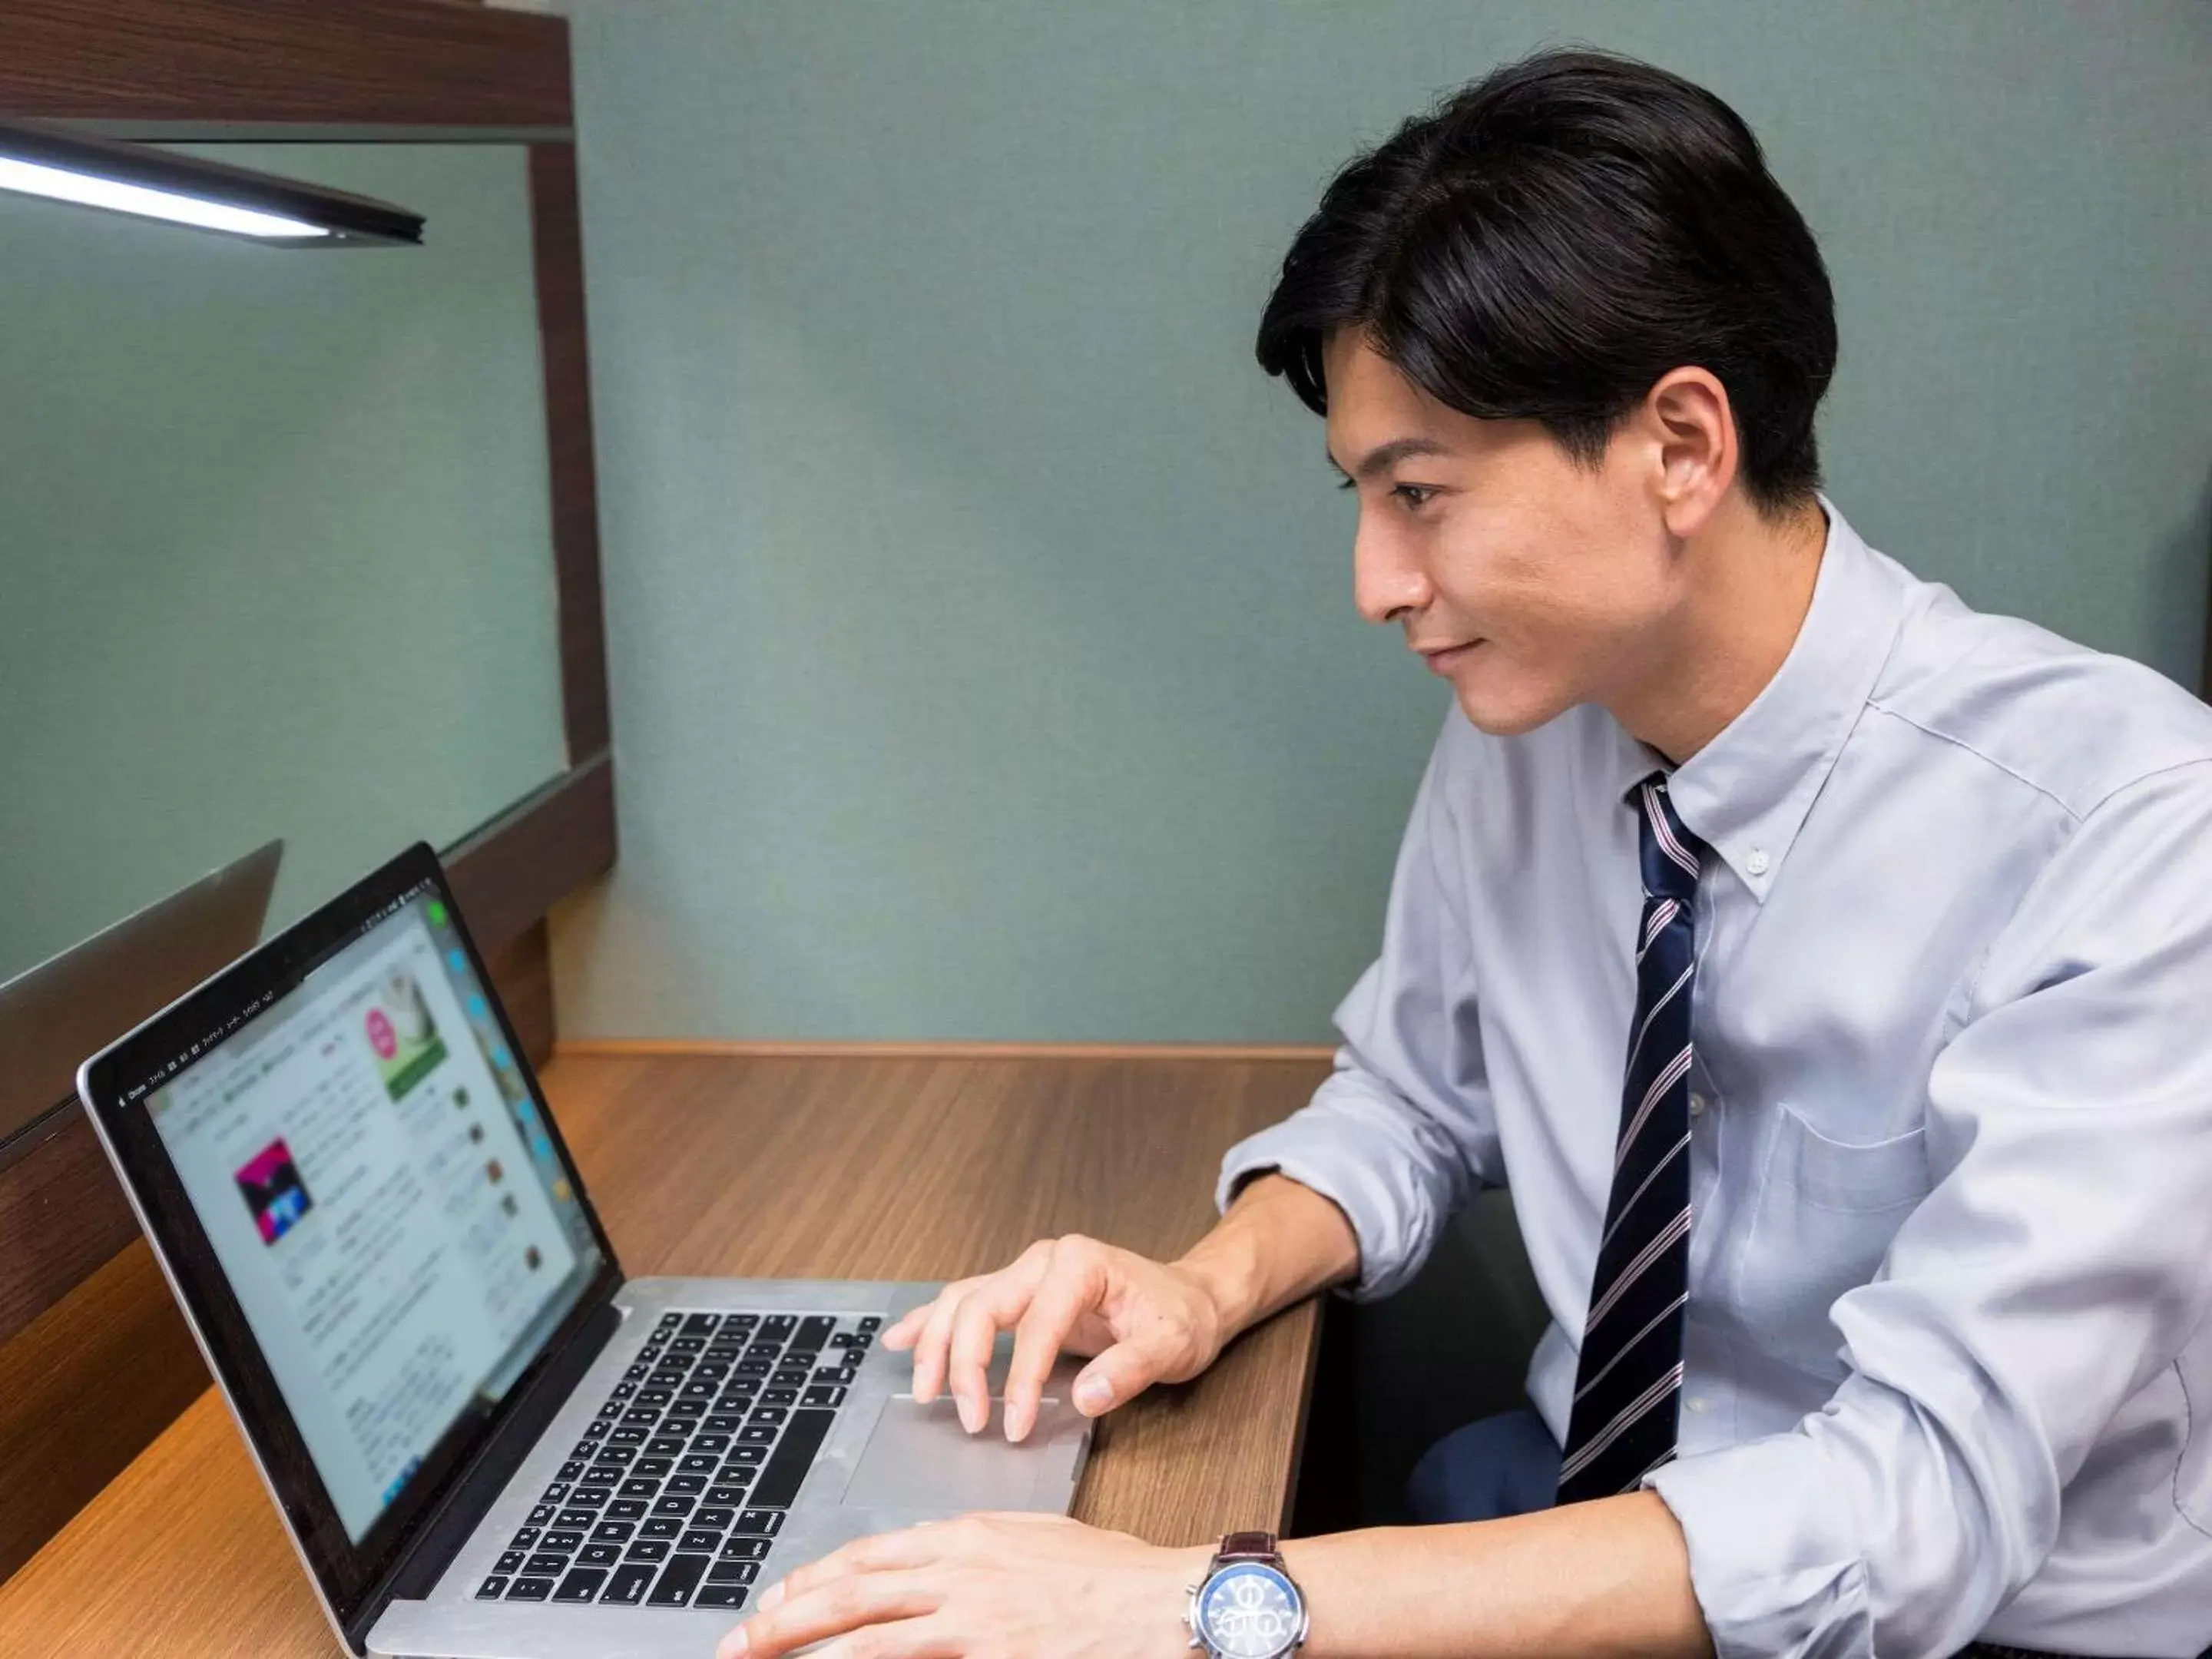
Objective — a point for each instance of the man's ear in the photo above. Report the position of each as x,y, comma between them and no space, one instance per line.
1694,429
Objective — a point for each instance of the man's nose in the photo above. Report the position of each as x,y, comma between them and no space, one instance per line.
1386,578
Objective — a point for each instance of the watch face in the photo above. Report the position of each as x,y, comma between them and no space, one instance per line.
1249,1611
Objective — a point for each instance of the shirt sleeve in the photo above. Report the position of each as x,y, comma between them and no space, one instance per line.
1403,1131
2056,1268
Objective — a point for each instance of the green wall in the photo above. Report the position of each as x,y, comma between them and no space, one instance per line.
275,542
984,663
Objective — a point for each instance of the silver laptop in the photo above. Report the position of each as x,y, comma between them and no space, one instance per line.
485,1442
52,1015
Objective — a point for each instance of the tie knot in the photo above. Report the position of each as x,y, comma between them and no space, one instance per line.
1670,853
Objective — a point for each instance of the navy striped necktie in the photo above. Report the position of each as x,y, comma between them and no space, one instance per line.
1628,1385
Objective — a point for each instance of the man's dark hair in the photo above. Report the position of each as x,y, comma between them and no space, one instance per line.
1547,242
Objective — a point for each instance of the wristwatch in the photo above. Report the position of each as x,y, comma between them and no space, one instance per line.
1246,1608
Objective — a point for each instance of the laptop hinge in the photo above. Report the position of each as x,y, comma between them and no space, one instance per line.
416,1572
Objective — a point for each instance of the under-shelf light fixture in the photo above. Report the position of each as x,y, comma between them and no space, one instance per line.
186,190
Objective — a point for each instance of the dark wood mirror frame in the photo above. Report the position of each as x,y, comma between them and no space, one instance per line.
94,1360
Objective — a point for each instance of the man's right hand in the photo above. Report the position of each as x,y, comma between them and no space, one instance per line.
1141,1321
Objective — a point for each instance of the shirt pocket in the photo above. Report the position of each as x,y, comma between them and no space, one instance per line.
1825,1213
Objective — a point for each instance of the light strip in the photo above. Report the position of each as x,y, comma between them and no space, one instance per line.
64,186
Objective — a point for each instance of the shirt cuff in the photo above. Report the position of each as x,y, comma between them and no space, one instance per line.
1774,1561
1329,1158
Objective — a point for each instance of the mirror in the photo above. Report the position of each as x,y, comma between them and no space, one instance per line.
276,551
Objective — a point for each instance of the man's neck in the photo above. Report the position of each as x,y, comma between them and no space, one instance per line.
1751,584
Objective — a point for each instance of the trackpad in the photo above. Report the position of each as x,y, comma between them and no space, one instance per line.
918,1457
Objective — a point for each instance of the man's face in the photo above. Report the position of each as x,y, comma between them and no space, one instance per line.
1530,584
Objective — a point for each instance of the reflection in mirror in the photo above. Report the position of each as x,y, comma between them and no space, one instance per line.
275,542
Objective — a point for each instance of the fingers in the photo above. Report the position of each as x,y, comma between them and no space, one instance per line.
1123,1371
1072,1287
999,1301
933,1344
841,1604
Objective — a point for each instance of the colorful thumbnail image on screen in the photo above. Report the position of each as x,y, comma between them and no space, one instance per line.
273,1190
402,1034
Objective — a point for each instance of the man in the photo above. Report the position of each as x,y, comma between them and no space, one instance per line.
1879,1270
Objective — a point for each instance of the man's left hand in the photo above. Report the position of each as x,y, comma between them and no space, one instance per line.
1013,1586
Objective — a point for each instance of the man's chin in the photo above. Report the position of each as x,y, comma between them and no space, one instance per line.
1506,712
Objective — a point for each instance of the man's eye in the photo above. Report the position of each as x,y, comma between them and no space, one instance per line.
1413,494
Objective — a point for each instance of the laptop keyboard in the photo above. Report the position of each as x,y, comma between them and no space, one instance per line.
675,1494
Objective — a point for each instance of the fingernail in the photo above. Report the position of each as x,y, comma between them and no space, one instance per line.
970,1419
1092,1393
1015,1431
733,1644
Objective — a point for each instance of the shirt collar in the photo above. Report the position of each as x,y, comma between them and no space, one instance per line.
1745,794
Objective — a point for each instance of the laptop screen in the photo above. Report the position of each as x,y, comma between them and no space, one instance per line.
378,1189
353,1184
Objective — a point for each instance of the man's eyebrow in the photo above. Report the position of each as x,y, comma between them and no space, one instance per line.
1383,457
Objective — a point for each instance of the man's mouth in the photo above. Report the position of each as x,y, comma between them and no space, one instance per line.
1443,658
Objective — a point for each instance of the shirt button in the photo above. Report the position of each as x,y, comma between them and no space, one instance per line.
1757,862
1697,1104
1697,1402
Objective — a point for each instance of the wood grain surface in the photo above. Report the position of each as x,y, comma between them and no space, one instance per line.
899,1169
397,62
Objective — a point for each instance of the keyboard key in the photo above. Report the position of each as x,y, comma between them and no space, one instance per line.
785,1396
664,1444
746,1454
670,1321
509,1564
689,1485
575,1466
587,1497
644,1416
626,1509
711,1442
812,1333
689,1408
492,1589
761,1524
734,1572
613,1532
798,1359
701,1324
699,1539
726,1497
795,1379
646,1549
581,1584
742,1548
870,1323
667,1527
639,1488
826,1393
577,1517
525,1538
676,1584
627,1436
626,1390
600,1555
652,1396
802,1438
613,1408
599,1478
653,1466
757,1434
719,1595
547,1566
542,1515
568,1539
765,1416
675,1503
594,1429
620,1457
718,1519
627,1587
699,1463
529,1589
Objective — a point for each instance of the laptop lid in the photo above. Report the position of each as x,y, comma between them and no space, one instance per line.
53,1015
347,1168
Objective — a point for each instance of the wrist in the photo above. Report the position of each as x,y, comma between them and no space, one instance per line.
1224,1274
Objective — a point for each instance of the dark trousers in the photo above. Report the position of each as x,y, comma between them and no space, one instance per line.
1508,1464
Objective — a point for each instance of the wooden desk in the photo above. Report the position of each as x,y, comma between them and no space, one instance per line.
802,1168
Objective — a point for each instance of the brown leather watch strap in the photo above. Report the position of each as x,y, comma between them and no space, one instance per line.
1247,1546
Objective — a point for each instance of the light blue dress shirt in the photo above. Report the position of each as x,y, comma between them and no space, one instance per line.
1948,1358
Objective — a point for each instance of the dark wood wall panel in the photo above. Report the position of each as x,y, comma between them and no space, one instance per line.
62,1214
83,1391
512,871
401,62
558,235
